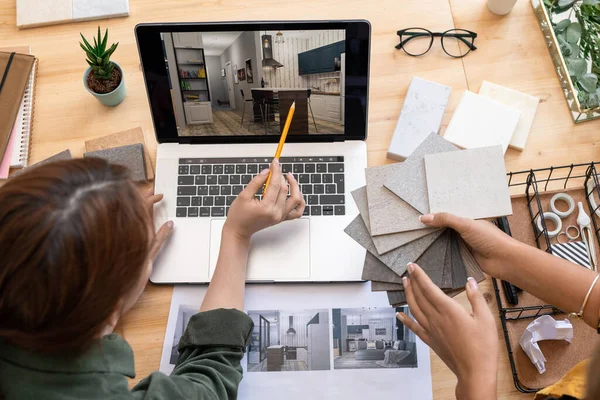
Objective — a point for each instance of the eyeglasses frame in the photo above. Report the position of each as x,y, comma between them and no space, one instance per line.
433,35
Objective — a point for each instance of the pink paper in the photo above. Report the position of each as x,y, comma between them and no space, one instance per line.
5,165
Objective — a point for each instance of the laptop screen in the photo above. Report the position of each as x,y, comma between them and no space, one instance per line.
220,83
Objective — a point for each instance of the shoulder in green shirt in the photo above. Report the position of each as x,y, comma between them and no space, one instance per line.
208,367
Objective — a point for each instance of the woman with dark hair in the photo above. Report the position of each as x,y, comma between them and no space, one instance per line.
76,250
468,342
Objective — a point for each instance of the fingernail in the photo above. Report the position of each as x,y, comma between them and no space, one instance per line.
404,281
264,171
426,219
400,316
276,161
411,267
170,224
473,283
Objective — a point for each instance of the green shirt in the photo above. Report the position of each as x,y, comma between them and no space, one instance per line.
208,367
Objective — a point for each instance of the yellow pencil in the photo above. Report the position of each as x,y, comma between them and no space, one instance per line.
286,128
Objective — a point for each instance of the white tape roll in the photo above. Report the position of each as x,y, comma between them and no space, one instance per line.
568,199
569,235
553,217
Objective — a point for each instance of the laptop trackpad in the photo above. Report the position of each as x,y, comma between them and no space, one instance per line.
278,253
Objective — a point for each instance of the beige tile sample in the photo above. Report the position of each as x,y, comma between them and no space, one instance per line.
385,243
411,183
481,122
469,183
387,212
32,13
523,102
96,9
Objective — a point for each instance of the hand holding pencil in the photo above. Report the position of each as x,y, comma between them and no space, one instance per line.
286,128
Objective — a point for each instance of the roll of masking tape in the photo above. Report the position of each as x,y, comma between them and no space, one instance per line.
572,227
567,199
552,217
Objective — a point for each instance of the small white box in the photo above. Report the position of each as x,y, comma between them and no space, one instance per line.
421,115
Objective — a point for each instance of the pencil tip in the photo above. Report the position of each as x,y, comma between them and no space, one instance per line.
294,104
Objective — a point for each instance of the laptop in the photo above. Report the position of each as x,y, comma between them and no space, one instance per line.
219,95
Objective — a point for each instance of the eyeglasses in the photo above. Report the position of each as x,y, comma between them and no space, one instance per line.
456,43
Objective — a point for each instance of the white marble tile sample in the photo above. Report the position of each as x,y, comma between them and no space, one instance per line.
523,102
421,114
411,184
31,13
95,9
481,122
469,183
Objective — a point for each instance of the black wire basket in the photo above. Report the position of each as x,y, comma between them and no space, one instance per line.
572,176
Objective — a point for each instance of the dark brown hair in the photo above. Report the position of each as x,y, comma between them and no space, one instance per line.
74,241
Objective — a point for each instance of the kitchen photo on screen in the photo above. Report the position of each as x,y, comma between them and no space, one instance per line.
289,341
372,337
274,69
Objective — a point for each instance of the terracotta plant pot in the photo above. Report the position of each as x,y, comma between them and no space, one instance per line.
108,99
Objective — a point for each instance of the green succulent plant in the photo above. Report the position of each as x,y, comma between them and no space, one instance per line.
98,56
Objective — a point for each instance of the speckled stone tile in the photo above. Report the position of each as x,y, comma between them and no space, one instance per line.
480,122
432,260
387,212
63,155
410,183
396,259
97,9
523,102
421,114
130,156
377,286
447,272
459,269
385,243
396,298
375,270
469,183
32,13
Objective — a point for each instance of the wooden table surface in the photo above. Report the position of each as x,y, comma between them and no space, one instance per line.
510,52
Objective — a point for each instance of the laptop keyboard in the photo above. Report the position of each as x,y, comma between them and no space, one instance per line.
206,187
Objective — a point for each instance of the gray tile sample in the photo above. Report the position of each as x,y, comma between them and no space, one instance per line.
63,155
396,259
411,184
473,268
396,297
432,260
377,286
375,270
421,114
469,183
459,269
385,243
447,273
130,156
387,212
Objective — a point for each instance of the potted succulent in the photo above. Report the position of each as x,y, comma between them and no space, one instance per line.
104,78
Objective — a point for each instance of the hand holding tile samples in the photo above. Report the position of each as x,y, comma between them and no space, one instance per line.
436,177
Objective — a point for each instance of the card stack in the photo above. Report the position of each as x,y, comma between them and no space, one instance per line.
436,177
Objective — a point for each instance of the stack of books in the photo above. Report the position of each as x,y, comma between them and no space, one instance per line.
17,92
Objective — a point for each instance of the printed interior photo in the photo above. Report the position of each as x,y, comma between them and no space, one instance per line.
243,83
372,338
183,318
289,341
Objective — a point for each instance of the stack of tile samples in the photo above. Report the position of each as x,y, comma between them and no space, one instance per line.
436,177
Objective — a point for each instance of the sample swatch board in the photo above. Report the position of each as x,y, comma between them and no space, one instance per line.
481,122
468,183
421,114
31,13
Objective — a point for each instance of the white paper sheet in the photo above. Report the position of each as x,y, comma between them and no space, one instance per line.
544,328
409,383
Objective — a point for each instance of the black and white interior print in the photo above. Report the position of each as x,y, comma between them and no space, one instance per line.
289,341
372,337
183,318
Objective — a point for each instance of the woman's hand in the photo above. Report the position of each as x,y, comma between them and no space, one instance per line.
467,343
492,248
249,215
164,232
